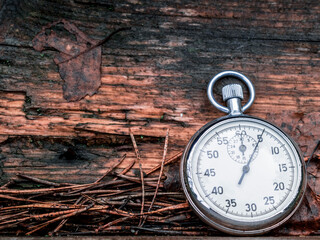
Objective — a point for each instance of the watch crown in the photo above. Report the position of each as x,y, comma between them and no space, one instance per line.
232,91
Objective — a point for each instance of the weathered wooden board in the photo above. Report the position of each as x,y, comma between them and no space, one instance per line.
162,238
154,77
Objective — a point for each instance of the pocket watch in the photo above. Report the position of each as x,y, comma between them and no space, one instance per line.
241,174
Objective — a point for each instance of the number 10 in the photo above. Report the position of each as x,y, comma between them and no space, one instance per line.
275,150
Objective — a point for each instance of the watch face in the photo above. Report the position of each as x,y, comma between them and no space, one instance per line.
243,175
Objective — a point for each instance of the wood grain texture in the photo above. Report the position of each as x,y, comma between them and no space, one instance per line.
154,77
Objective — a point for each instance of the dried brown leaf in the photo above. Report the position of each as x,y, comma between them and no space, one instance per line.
81,74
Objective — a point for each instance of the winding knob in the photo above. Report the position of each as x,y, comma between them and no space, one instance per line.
232,91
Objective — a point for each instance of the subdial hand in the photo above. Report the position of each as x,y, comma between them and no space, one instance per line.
242,147
246,168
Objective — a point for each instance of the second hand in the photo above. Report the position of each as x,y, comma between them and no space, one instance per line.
246,167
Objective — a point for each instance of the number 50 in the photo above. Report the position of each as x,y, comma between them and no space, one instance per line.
212,154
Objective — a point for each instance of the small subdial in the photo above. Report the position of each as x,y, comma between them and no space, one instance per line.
241,147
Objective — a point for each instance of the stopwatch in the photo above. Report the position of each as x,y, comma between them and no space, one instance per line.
241,174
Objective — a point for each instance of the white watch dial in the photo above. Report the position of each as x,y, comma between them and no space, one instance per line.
245,170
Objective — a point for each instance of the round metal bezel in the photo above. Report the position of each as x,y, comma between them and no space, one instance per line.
218,221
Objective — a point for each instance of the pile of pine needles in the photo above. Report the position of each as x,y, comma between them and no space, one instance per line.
116,203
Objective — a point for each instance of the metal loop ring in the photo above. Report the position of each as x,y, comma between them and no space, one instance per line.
237,75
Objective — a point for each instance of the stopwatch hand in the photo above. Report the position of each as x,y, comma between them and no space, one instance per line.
242,147
246,168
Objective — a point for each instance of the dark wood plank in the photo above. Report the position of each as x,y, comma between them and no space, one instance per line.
161,238
154,77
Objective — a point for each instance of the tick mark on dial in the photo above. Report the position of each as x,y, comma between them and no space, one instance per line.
274,207
288,189
227,210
